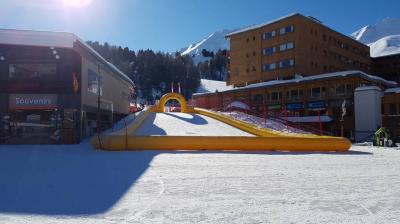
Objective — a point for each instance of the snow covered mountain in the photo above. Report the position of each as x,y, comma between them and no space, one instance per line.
213,42
383,37
385,46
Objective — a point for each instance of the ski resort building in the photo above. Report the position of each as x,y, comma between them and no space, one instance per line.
388,67
391,112
314,100
50,86
294,45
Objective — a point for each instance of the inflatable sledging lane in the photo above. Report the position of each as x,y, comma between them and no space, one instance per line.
263,139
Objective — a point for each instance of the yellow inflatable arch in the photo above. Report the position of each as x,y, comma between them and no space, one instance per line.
160,107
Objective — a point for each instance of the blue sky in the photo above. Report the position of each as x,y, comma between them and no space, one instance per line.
168,25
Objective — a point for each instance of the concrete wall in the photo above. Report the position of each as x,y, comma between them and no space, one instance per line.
115,91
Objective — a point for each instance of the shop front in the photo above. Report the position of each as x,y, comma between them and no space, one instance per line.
33,119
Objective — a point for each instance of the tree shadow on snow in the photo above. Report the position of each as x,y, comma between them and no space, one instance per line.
66,180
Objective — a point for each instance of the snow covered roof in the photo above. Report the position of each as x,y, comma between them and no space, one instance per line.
261,24
210,86
364,88
52,39
393,90
326,76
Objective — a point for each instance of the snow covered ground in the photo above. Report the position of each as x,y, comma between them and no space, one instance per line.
75,184
186,124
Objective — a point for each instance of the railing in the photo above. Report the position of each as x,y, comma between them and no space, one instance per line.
279,117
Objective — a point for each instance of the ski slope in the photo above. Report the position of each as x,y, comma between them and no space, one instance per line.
184,124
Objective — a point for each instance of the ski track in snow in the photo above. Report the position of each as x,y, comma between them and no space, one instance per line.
139,214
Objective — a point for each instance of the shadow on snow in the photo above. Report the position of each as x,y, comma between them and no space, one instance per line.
65,180
77,180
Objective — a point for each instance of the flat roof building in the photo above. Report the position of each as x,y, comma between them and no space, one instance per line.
302,100
290,46
50,83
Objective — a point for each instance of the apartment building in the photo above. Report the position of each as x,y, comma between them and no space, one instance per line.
291,46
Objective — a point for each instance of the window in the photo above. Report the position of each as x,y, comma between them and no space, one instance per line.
349,89
275,96
269,35
254,69
254,53
287,29
392,109
290,45
269,50
315,92
269,67
294,94
286,63
32,71
286,46
258,98
93,82
340,89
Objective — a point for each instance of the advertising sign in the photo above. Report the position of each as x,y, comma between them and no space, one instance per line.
295,106
33,101
274,107
316,105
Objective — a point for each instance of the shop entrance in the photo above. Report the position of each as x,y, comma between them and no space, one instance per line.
34,126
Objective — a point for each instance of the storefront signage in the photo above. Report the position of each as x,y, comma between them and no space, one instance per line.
274,107
316,105
295,106
33,101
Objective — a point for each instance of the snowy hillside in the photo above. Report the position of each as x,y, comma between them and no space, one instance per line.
383,37
213,42
210,86
386,46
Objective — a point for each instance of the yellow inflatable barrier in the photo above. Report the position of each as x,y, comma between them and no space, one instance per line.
264,139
